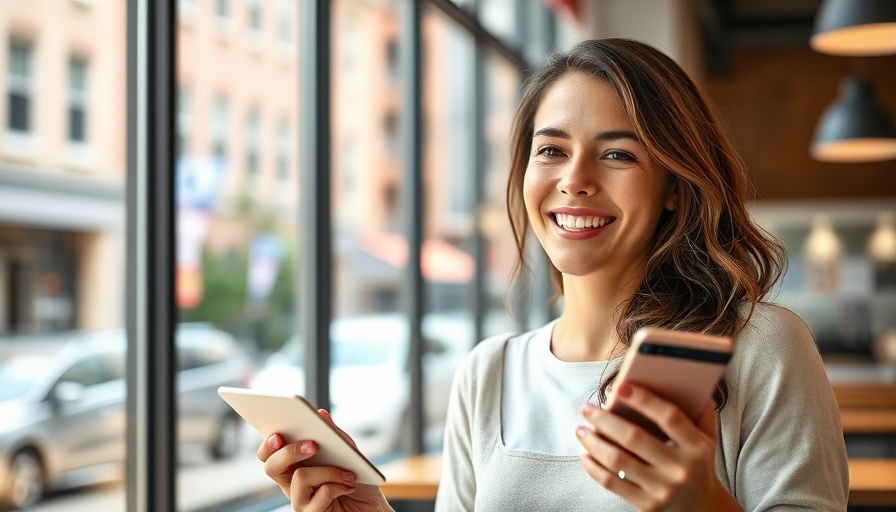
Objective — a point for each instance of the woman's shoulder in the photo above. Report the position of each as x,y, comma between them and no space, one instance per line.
770,323
778,338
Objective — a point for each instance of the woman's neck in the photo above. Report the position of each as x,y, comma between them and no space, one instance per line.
592,305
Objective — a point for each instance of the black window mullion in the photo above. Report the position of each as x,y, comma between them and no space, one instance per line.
413,210
150,310
470,24
315,279
479,303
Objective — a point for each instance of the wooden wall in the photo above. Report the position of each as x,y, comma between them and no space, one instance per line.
772,99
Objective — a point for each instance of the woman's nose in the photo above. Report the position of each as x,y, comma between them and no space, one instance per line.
577,179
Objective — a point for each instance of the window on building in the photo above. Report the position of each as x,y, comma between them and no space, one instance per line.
392,59
186,9
77,99
283,171
285,21
222,8
183,121
390,128
220,129
255,19
19,86
223,18
253,142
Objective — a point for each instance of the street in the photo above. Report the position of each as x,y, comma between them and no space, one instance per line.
200,482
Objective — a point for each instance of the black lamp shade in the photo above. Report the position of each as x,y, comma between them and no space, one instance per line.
855,27
855,128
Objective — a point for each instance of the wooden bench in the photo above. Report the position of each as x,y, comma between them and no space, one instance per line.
871,481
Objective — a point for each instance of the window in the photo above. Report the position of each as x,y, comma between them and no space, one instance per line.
392,59
222,8
255,20
253,142
283,170
183,122
390,129
19,86
220,130
94,370
222,18
186,11
285,21
77,99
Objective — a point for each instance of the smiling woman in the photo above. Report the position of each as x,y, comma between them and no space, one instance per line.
623,173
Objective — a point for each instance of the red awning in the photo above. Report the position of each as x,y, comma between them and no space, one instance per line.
440,261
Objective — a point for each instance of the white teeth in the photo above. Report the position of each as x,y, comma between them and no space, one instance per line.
571,222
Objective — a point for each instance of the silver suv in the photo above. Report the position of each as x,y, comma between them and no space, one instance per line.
62,407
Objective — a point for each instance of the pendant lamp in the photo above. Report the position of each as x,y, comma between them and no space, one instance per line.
855,27
855,128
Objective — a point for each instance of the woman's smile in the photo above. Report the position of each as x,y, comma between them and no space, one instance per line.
576,224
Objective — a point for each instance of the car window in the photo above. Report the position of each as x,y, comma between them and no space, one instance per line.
18,373
361,352
432,346
189,358
91,371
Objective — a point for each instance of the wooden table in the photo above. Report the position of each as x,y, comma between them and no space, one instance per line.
867,408
871,481
412,478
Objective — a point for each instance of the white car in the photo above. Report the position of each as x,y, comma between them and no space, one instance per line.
369,387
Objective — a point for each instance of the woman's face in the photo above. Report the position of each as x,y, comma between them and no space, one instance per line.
592,193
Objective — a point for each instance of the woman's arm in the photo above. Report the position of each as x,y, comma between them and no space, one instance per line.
788,450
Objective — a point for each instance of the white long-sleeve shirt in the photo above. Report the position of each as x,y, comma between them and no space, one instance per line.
780,440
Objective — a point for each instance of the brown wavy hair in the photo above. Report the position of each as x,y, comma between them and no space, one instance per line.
709,258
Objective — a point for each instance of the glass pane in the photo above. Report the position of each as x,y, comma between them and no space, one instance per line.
370,250
502,85
237,236
500,18
450,203
62,255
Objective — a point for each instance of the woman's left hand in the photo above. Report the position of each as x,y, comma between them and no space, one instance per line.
678,474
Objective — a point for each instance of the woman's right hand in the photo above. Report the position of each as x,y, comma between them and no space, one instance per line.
317,489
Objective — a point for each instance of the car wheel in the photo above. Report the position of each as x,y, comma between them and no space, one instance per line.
227,442
25,486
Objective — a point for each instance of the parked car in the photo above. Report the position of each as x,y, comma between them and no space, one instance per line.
62,407
369,390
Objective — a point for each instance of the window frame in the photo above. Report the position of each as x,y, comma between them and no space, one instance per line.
152,148
20,84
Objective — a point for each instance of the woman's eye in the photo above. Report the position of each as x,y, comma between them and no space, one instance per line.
549,151
619,155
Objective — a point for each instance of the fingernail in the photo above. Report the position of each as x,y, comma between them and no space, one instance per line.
306,447
587,408
580,432
625,390
272,441
348,476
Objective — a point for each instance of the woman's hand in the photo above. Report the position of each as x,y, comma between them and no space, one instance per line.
317,489
678,474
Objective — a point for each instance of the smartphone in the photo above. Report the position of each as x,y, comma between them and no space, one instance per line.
295,419
681,367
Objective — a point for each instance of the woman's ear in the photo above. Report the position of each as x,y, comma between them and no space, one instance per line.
672,196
